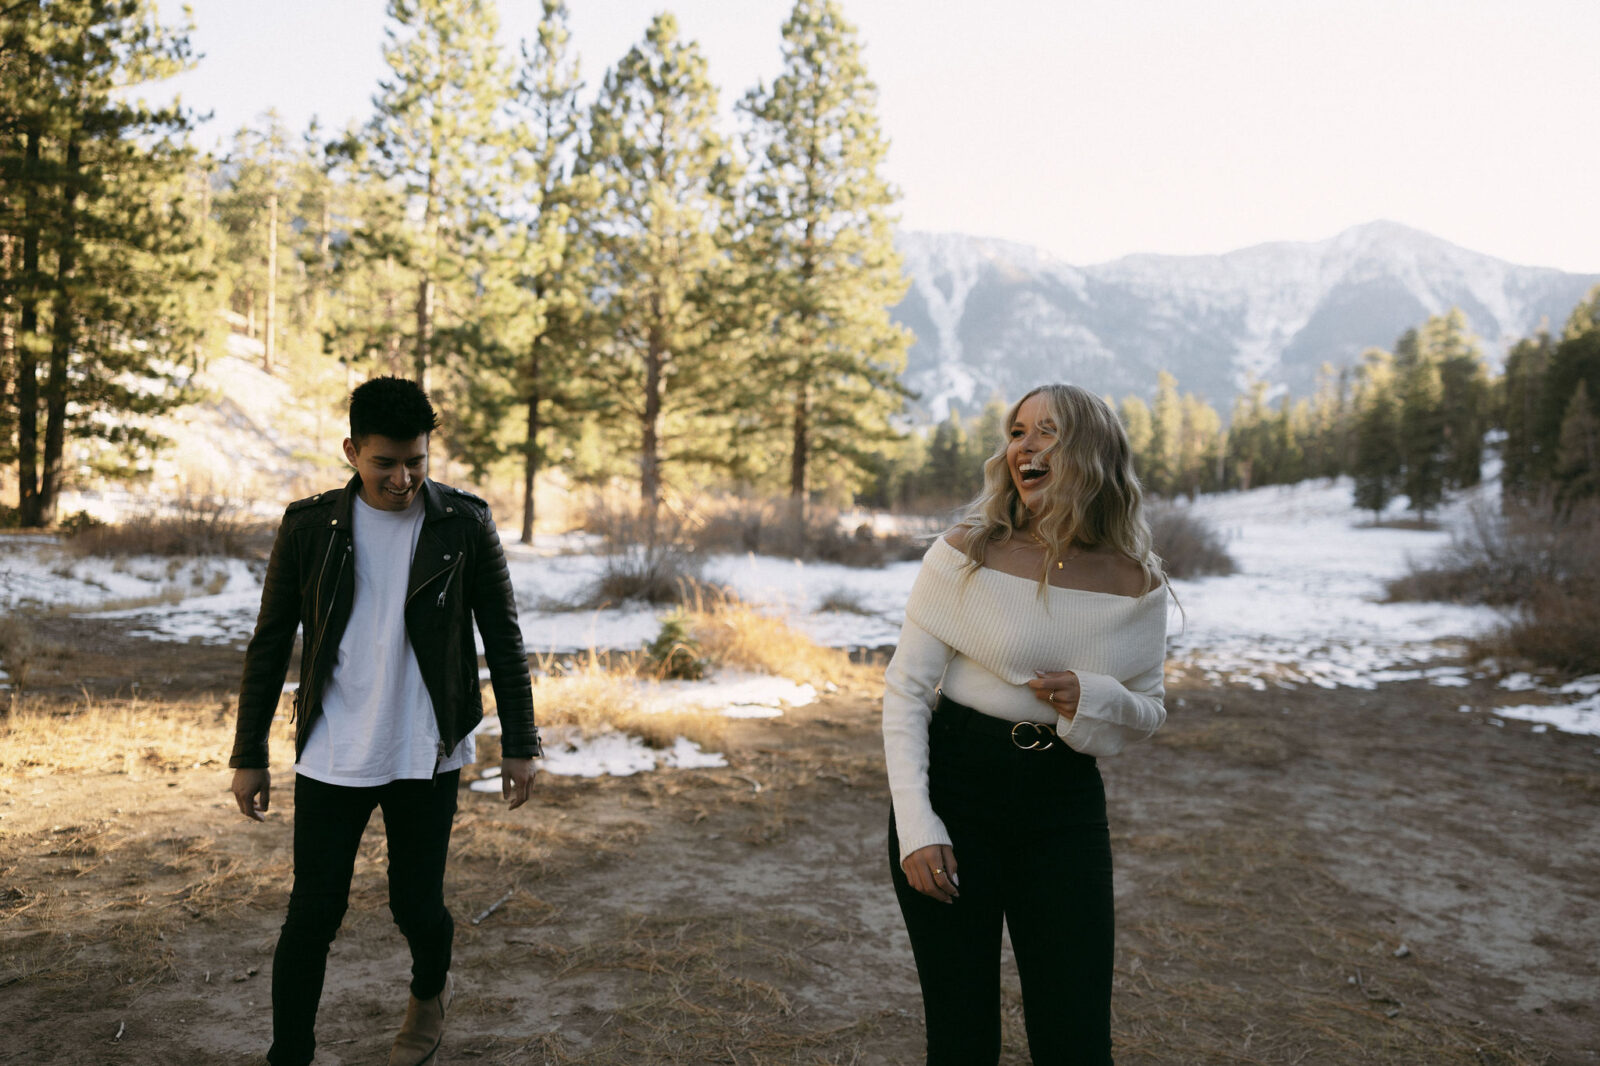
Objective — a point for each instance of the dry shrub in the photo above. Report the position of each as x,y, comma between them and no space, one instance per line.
196,525
656,565
770,527
1558,626
735,634
1541,565
1495,559
1187,545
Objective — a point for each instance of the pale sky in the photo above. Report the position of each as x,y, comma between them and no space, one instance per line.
1097,129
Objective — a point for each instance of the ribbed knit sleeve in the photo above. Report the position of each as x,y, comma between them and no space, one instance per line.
910,687
1112,714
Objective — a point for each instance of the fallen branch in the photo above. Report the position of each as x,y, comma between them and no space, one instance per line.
496,905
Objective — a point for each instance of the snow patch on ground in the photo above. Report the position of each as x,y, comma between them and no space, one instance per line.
1305,607
608,754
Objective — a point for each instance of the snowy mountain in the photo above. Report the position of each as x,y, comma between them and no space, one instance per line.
992,316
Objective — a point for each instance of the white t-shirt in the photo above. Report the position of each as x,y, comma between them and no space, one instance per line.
377,721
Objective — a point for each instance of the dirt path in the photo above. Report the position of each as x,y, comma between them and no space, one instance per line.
1303,877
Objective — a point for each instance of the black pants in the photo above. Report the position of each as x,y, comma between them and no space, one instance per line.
1032,848
328,823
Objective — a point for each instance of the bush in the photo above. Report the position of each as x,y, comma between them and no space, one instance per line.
1495,560
768,527
1541,566
657,569
675,654
1188,546
196,525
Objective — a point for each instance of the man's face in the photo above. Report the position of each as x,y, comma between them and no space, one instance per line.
391,470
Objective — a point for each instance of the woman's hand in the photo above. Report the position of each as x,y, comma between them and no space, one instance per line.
932,871
1059,689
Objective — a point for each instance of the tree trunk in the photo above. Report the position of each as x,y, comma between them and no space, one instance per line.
530,455
800,456
27,341
650,444
419,362
270,348
430,226
55,395
324,249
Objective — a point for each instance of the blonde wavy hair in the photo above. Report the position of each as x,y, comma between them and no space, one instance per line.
1093,499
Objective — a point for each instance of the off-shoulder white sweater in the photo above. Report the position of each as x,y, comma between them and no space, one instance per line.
981,635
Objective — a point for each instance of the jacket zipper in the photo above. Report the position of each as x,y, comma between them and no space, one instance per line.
317,598
449,570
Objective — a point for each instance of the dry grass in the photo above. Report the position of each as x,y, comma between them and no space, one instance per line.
596,694
594,698
120,736
735,634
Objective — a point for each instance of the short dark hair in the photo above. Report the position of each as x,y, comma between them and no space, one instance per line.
392,407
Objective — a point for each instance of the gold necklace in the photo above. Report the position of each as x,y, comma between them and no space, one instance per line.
1060,563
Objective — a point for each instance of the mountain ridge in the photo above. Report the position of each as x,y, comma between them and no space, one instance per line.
996,316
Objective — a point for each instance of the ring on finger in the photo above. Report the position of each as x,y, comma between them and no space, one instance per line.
1052,696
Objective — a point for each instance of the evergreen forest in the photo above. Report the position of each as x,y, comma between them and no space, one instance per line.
599,281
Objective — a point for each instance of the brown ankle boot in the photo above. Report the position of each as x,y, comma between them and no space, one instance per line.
419,1037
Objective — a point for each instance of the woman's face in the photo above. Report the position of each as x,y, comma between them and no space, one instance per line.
1031,432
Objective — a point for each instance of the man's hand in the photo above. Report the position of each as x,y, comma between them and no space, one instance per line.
247,785
516,781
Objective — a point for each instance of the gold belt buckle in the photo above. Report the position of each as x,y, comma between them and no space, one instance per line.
1036,744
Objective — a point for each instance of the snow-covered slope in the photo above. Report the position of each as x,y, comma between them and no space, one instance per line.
994,317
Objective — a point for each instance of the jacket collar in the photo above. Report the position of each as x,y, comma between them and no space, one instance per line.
344,508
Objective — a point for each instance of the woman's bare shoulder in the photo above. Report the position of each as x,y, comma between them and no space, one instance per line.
1130,578
1111,572
960,538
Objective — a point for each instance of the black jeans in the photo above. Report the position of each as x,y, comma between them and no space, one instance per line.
1033,849
328,823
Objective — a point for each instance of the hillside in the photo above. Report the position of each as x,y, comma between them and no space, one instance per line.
991,316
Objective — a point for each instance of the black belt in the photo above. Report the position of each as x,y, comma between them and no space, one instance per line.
1027,736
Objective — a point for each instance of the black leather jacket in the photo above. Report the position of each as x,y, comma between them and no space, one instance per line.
458,573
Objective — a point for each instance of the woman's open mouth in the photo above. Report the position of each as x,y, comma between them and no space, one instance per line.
1032,473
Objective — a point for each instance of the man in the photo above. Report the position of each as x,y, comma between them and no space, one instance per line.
386,576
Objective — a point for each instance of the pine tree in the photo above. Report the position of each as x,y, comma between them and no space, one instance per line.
947,471
254,214
820,255
433,138
1200,456
1166,432
1329,449
545,268
1463,396
661,232
1377,466
1135,415
1250,435
1577,468
1525,465
1574,360
100,258
370,302
1423,435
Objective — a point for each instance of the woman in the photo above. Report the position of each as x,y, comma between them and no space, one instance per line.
1034,642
